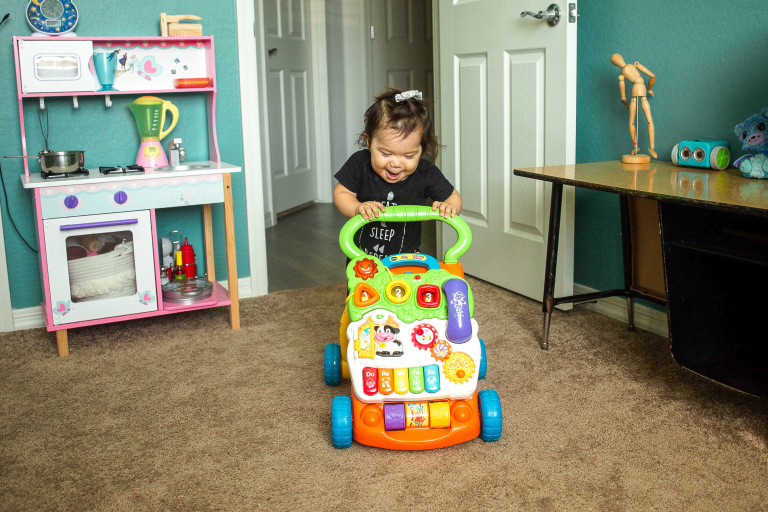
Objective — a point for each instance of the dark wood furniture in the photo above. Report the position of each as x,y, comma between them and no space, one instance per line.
714,234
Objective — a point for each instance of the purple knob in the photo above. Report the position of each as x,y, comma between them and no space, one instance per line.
120,197
71,202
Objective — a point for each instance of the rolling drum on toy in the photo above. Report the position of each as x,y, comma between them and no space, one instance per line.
408,342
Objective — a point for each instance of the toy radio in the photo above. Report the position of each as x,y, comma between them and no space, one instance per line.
408,342
704,153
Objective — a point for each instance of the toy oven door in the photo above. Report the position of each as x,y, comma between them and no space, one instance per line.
100,266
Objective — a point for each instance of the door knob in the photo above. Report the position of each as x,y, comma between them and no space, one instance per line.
552,14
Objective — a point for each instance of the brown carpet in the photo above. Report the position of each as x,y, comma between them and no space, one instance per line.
182,413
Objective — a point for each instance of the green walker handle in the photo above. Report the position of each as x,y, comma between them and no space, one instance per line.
407,213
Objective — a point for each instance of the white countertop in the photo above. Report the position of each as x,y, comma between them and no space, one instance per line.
35,180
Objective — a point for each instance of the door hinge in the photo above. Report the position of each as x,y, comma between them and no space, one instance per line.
572,13
373,34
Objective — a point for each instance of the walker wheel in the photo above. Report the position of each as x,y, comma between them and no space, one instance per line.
332,364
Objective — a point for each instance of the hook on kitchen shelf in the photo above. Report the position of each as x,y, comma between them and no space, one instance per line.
75,104
42,103
107,100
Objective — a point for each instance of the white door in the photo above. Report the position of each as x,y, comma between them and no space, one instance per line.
507,100
401,45
290,103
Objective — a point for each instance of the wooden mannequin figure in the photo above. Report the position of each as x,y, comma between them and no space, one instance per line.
631,72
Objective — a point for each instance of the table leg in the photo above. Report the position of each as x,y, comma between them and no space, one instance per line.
229,234
553,237
61,343
210,263
626,247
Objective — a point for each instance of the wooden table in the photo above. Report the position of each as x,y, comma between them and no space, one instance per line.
714,234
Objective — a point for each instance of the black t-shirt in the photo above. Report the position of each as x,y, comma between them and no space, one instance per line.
382,239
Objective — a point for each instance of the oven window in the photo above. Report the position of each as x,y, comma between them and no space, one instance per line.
101,266
57,67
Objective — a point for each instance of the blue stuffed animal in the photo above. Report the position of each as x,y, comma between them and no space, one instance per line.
754,134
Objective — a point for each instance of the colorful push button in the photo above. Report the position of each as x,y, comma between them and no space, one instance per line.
394,416
432,378
398,291
370,381
428,296
386,385
365,295
416,379
401,380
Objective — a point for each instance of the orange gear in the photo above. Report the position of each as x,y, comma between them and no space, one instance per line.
440,350
365,268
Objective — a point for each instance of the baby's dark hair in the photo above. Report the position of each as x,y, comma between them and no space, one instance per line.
405,116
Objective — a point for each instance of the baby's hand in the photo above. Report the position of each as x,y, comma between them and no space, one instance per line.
370,209
446,210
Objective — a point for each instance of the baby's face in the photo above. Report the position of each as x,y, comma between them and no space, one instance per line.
393,157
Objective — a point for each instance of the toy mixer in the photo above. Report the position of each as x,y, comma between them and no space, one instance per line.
409,344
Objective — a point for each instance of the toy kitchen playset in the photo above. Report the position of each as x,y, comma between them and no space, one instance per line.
100,255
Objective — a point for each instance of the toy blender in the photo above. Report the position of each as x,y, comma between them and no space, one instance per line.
149,112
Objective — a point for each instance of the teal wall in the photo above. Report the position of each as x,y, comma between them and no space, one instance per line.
709,58
108,135
711,63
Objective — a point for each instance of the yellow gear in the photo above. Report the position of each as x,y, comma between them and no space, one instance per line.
458,367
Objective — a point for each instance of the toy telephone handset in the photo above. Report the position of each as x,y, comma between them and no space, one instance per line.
703,153
52,17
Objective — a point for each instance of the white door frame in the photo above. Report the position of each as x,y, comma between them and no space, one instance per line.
253,77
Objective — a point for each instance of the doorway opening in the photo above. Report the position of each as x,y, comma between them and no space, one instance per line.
370,45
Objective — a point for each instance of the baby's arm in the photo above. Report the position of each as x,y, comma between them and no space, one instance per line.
347,203
451,207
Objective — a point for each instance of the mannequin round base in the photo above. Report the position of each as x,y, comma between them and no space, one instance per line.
636,159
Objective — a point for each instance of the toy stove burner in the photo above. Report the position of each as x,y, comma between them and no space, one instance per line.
58,175
121,170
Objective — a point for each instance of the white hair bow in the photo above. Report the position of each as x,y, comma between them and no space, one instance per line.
408,95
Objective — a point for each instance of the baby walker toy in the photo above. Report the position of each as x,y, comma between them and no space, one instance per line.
409,344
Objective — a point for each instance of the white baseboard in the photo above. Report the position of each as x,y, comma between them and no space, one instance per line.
646,318
32,318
